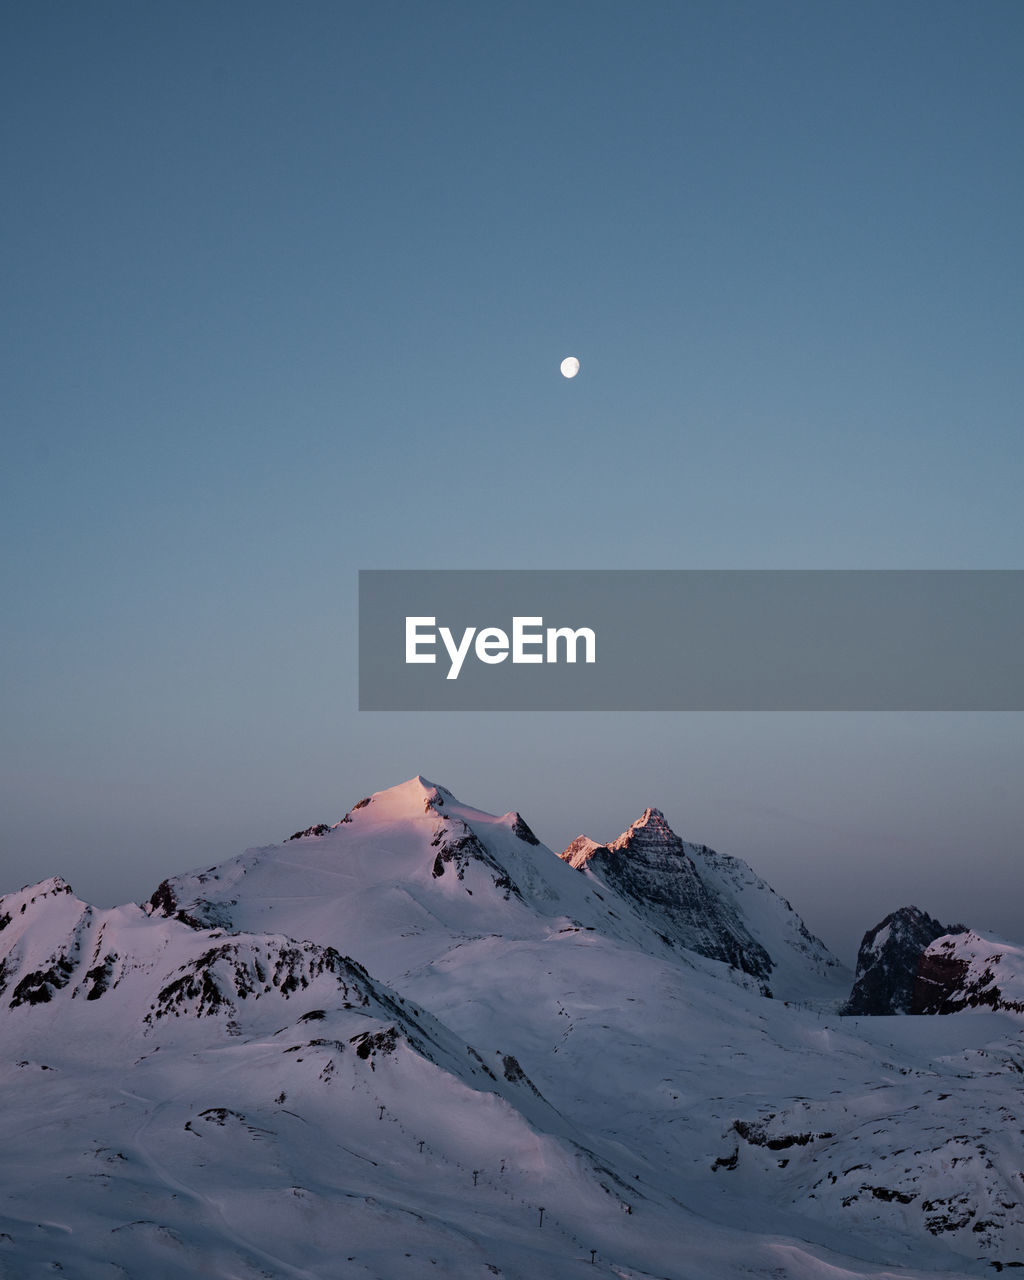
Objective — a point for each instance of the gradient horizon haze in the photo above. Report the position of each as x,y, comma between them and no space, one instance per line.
286,292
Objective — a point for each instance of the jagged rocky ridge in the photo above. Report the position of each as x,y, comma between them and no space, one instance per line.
649,865
889,959
701,900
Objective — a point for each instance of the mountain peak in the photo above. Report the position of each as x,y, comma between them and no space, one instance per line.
649,865
51,887
580,851
653,820
424,784
649,831
414,796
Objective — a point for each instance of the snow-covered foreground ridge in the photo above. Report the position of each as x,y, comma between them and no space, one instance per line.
418,1043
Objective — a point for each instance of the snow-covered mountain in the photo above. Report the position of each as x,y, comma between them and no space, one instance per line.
405,873
418,1042
649,866
710,903
888,961
967,971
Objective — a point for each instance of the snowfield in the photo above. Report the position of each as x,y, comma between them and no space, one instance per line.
418,1042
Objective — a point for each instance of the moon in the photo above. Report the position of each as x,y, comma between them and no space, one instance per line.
570,367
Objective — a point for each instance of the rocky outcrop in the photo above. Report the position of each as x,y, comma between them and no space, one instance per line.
888,961
318,829
242,968
522,829
966,971
649,865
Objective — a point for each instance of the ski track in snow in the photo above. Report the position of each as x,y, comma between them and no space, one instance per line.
168,1179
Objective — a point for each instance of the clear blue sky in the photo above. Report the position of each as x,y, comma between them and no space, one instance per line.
285,292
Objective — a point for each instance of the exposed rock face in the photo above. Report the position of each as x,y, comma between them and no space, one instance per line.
966,971
522,829
769,917
581,850
458,845
888,960
200,914
939,982
318,829
649,865
243,967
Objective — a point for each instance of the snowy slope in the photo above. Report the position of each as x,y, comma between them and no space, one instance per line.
802,966
419,1043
